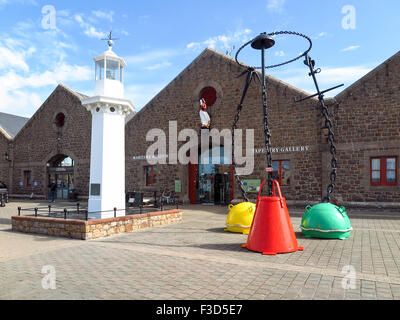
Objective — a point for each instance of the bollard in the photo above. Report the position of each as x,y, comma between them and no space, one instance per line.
36,211
19,211
115,212
87,215
3,204
77,208
49,210
140,209
65,214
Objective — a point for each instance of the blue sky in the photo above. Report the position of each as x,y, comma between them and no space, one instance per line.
160,38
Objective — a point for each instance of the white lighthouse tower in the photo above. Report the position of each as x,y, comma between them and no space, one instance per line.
107,163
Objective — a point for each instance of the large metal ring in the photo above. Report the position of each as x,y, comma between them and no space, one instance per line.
280,64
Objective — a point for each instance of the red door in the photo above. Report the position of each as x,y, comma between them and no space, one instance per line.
192,183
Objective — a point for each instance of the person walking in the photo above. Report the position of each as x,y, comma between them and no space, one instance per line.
52,187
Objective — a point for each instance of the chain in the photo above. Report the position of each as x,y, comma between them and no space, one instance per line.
275,34
331,139
251,72
267,135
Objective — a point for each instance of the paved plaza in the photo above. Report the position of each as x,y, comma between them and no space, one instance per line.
197,260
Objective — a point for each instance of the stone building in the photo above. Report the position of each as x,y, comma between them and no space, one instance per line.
55,142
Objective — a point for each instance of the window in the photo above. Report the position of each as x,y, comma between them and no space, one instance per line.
60,120
28,178
151,173
384,171
100,70
112,71
281,172
209,94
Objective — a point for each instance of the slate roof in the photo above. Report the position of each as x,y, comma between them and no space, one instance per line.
11,124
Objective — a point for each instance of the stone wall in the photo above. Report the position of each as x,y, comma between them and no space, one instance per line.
86,230
367,124
292,124
41,139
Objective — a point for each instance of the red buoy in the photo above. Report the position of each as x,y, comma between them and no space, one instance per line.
272,231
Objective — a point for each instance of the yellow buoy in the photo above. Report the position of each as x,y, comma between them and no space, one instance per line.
240,217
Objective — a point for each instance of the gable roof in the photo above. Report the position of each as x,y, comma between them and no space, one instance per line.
212,53
62,87
369,75
10,124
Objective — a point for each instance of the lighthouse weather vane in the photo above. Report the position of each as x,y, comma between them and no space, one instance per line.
110,40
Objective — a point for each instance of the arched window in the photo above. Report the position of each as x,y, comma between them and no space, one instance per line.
60,120
209,94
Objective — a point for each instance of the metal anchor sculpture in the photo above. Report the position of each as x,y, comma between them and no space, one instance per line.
328,123
271,231
325,220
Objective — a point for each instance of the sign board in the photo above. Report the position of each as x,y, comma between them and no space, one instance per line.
269,169
252,185
95,190
178,186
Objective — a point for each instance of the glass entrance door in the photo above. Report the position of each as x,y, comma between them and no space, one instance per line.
64,182
214,178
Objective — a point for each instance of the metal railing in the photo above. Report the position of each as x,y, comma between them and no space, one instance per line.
79,213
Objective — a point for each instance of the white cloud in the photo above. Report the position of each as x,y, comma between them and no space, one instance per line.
88,29
351,48
104,15
329,77
19,101
159,66
14,59
279,53
150,56
140,95
222,41
320,35
19,92
63,72
275,5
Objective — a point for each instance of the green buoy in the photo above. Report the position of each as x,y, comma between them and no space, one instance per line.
326,221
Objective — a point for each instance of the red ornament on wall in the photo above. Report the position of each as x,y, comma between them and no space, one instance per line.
209,94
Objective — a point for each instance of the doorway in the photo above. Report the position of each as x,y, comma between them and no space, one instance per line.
214,177
61,171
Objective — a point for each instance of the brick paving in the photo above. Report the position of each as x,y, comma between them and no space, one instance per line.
197,260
